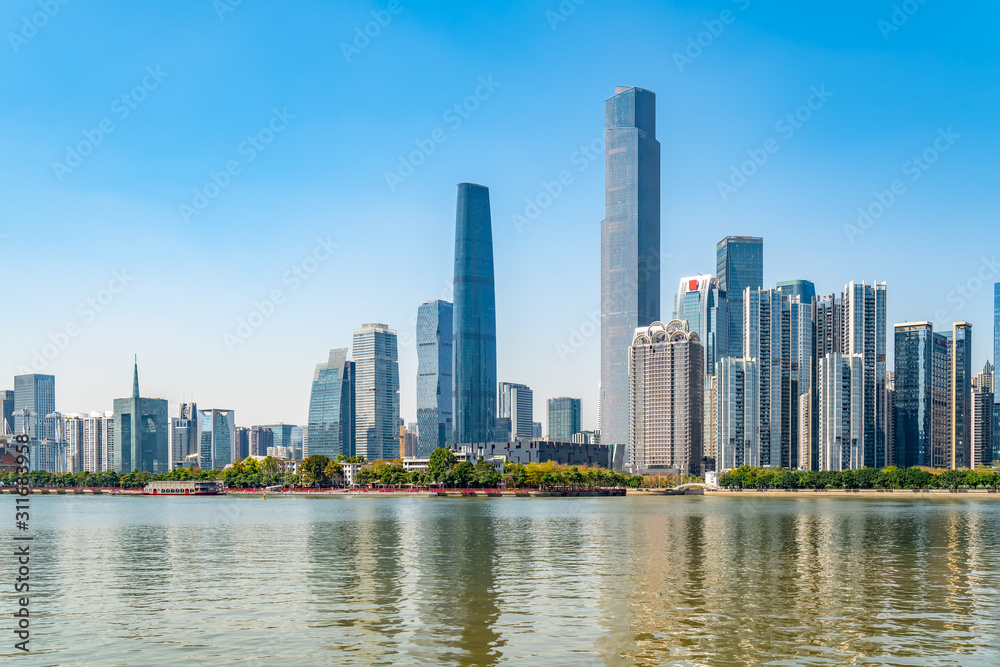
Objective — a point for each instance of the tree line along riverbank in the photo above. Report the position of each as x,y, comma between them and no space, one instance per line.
320,472
890,478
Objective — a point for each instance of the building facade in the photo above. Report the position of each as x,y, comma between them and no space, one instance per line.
98,439
778,332
435,325
666,377
941,400
261,438
961,395
475,326
7,412
539,451
216,439
564,417
35,393
74,442
737,414
854,323
141,433
914,400
739,265
840,416
376,413
331,430
241,443
804,289
996,361
630,246
704,306
983,393
184,434
517,405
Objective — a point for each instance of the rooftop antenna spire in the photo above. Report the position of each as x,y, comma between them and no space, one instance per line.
135,378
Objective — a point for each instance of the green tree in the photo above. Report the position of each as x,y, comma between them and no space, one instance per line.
463,473
951,479
485,475
270,465
334,472
442,460
393,475
312,470
514,476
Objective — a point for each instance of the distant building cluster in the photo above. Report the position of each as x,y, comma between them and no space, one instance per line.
740,374
772,377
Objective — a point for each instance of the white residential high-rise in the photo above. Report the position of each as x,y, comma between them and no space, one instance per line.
184,434
95,447
108,441
737,413
854,323
73,439
840,382
983,392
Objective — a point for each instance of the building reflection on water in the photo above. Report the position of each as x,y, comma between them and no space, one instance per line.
819,580
633,581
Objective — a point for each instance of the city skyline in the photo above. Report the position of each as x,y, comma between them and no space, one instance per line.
830,165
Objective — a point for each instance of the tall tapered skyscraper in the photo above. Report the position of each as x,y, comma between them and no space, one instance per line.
630,246
996,360
475,320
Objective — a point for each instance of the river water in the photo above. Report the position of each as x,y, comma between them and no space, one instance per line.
560,581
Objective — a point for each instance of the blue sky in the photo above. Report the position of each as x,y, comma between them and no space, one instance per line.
308,130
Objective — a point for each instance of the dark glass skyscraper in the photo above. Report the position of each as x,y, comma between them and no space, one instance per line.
475,325
996,327
331,408
7,398
630,246
914,345
435,327
564,418
739,264
141,432
996,362
961,395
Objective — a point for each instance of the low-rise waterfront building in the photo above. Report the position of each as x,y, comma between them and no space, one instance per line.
539,451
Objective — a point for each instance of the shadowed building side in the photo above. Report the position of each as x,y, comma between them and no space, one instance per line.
331,408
